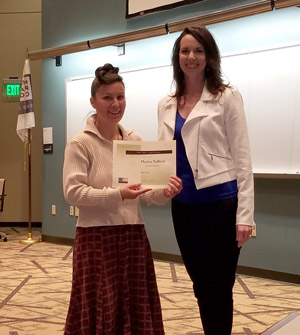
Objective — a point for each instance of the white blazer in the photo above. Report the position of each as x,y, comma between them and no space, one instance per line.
216,139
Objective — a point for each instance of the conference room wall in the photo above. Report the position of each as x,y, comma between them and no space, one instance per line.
277,215
20,28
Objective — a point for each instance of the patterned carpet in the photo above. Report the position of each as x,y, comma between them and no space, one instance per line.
35,282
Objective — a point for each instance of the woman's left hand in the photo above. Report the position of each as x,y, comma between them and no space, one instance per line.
243,234
174,187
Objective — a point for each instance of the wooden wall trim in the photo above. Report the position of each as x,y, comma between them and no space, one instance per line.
224,15
207,19
279,4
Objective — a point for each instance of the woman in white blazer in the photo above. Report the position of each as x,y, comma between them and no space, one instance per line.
213,214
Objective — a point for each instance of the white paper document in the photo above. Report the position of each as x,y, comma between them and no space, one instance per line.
48,135
148,162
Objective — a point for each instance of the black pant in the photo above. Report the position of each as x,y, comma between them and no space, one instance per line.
206,236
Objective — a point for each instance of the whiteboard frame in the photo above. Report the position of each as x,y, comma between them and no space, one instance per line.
141,7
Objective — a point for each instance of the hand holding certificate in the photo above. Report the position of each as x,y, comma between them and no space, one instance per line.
150,163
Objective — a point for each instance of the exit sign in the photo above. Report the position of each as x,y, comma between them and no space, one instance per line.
11,89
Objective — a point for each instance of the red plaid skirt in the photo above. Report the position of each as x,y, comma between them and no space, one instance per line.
114,290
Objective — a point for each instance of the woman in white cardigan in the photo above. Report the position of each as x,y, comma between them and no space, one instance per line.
114,288
213,215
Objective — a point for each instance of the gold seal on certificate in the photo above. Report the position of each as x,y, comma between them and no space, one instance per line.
148,162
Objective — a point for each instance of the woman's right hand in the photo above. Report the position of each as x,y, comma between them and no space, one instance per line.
131,191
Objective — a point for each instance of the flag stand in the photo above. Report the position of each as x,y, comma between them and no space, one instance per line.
26,122
29,239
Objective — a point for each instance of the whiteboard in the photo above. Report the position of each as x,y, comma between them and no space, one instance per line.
269,81
143,89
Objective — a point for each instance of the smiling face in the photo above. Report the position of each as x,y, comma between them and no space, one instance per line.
192,58
109,102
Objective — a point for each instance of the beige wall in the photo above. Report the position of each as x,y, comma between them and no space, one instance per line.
20,28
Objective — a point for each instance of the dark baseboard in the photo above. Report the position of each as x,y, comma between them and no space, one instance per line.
268,274
58,240
244,270
20,224
160,256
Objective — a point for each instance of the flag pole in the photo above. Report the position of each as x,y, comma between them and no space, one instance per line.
29,182
29,239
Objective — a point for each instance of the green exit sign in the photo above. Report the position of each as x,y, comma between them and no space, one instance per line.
11,89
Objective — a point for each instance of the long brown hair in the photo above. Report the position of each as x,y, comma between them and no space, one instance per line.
213,75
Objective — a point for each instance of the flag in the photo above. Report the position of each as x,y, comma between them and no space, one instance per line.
26,112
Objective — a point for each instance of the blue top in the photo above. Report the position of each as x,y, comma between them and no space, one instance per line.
189,193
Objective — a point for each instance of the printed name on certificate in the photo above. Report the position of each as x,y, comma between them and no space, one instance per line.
148,162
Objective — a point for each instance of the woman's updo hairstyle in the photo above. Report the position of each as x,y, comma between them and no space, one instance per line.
105,75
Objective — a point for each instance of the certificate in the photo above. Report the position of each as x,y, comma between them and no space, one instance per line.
150,163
